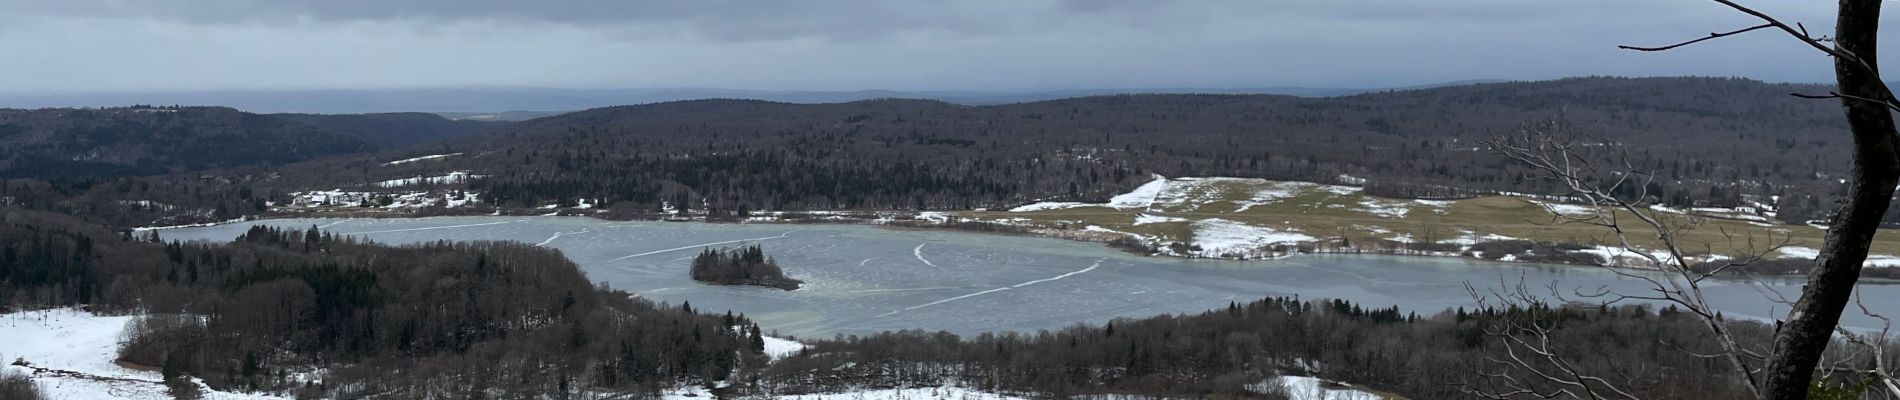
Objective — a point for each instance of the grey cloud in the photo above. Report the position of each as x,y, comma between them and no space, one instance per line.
855,19
107,45
718,19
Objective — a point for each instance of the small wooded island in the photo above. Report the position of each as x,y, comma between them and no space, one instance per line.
746,265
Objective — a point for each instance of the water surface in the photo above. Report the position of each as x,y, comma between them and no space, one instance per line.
862,279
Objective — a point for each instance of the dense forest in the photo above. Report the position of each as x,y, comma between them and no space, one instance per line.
1712,141
1694,133
393,130
145,140
1653,353
439,320
745,265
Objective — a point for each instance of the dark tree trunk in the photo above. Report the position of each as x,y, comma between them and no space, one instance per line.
1810,324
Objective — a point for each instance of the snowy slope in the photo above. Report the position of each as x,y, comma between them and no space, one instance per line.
69,339
780,348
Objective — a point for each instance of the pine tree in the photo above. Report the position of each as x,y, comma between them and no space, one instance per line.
758,340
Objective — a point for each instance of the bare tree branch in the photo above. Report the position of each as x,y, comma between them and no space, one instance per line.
1712,35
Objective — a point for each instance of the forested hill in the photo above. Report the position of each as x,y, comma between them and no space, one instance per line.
142,140
1712,138
391,130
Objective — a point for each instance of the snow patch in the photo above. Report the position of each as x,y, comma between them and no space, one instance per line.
1799,252
1141,197
933,216
1266,196
1144,219
1309,388
1385,209
451,178
1622,257
780,348
1565,209
395,200
1809,253
422,158
1044,206
1467,238
1217,236
154,228
944,393
1881,261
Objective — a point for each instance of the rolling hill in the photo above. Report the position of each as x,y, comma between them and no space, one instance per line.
1709,140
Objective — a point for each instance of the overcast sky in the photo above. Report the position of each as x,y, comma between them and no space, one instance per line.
71,46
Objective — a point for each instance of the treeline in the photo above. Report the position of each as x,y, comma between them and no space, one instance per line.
1728,141
310,313
1651,352
746,265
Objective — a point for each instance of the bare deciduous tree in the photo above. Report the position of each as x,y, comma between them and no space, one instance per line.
1804,335
1618,200
1801,339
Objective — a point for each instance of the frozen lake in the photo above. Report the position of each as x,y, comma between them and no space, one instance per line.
862,279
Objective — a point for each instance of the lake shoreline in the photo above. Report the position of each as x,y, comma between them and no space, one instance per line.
914,221
868,277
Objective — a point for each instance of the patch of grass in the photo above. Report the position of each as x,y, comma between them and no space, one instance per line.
1316,211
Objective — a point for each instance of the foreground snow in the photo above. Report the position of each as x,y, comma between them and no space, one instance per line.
69,339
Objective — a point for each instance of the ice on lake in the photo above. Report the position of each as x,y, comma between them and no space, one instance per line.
863,279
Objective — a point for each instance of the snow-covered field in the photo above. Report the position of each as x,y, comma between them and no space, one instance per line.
69,339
